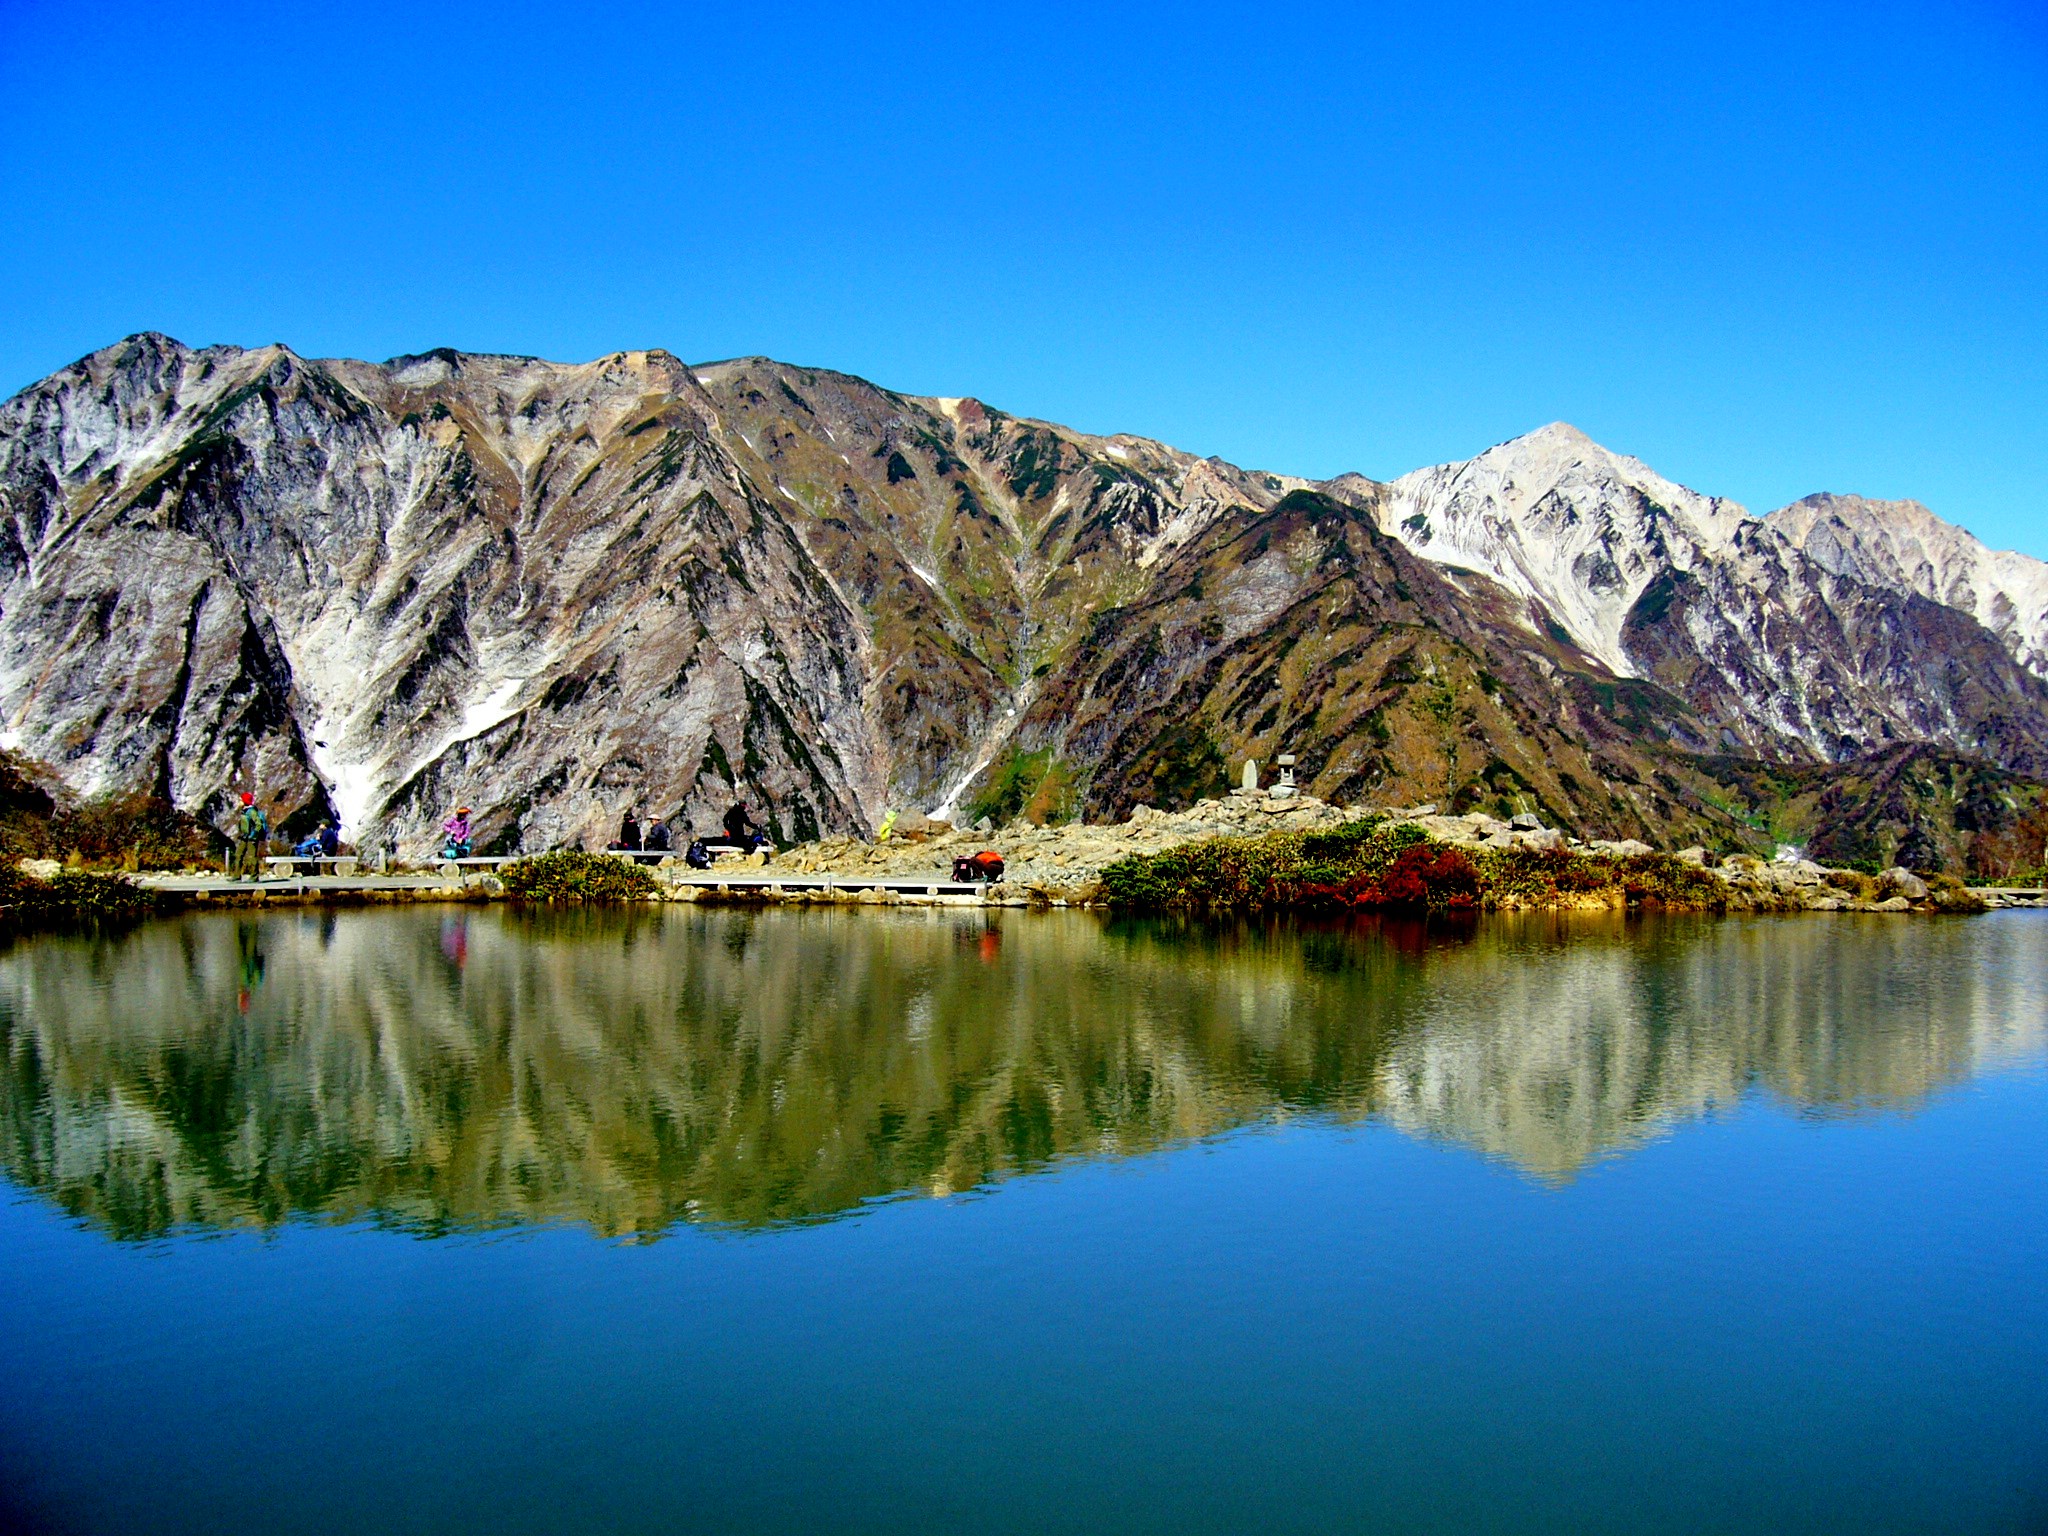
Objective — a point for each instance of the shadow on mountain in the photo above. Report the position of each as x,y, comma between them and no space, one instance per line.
462,1071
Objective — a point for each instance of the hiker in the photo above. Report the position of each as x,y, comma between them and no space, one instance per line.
252,839
740,829
657,842
629,832
322,843
456,834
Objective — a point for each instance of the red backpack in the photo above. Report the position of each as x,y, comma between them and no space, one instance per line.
985,865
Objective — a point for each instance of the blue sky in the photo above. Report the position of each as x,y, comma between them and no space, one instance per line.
1770,250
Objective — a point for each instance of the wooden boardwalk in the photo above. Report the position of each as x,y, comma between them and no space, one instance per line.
757,880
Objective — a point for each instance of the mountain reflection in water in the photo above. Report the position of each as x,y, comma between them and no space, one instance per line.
458,1070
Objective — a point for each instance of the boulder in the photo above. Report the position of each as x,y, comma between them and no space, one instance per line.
1693,855
1449,829
1906,883
1543,839
41,869
1626,848
1893,904
1525,821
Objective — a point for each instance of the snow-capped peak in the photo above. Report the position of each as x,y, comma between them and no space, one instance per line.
1562,521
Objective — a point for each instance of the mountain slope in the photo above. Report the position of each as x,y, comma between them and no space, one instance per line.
1903,546
554,590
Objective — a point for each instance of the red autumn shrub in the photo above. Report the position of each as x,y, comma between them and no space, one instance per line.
1429,878
1325,895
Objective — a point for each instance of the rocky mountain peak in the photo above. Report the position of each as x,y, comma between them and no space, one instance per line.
1903,545
1575,530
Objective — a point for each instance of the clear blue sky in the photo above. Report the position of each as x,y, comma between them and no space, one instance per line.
1769,253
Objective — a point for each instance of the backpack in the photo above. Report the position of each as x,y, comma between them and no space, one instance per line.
986,865
255,823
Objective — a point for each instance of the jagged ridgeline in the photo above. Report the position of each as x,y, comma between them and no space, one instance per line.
549,591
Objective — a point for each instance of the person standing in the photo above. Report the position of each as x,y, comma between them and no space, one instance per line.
252,839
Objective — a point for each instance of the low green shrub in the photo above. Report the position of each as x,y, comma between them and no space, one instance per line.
1951,895
1658,878
568,876
72,898
1852,882
1397,867
132,831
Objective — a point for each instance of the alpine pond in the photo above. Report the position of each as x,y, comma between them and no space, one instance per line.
684,1219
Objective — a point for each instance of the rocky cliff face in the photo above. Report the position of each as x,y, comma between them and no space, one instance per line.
1902,546
551,591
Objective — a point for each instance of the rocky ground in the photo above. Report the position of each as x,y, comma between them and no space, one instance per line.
1062,865
1065,863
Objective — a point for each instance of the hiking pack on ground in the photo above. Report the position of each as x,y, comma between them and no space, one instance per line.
986,865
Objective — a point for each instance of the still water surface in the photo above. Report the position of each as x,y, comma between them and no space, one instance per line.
686,1220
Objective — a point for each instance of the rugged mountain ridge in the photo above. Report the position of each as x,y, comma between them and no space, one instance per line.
551,590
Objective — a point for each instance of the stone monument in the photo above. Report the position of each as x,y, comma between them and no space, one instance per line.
1285,789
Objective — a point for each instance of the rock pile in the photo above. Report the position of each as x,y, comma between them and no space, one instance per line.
1065,863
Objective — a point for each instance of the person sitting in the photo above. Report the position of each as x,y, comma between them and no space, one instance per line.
629,832
456,834
697,856
741,831
657,840
330,840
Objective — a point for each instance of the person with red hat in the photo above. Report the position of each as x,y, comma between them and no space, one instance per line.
252,839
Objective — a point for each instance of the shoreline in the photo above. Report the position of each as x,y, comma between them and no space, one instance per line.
1243,853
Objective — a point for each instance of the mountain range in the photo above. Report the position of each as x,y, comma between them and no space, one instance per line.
549,591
